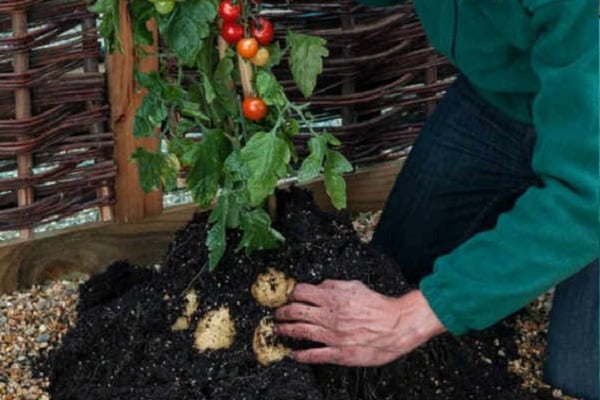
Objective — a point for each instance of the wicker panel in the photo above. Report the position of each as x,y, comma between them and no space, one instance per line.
55,151
381,79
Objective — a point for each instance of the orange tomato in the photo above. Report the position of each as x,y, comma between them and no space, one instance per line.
247,47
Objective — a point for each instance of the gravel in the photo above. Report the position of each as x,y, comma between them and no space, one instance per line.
33,322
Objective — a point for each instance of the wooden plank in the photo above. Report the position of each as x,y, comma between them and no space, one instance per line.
90,249
367,188
132,204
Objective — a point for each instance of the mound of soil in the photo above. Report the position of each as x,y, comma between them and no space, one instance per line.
123,346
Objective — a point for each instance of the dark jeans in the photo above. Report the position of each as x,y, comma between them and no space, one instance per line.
469,164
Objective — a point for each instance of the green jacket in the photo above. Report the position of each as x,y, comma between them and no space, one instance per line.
538,61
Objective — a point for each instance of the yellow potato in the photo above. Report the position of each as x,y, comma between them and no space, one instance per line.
264,344
191,305
215,331
272,288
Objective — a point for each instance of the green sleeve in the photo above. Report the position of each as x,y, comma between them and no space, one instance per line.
552,231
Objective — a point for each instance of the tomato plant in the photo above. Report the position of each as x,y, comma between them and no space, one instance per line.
263,31
230,123
247,47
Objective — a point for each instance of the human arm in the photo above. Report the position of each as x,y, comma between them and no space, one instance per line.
552,231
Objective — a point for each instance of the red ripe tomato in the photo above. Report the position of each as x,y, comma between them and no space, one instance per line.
228,11
247,47
232,32
262,31
254,108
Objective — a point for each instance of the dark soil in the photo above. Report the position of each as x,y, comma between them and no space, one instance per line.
123,347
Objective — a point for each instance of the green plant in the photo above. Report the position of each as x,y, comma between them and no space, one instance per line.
247,135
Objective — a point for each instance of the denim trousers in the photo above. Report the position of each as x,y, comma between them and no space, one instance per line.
469,164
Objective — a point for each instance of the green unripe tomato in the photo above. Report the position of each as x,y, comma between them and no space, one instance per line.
164,7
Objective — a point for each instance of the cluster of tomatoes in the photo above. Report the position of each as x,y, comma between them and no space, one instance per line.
251,47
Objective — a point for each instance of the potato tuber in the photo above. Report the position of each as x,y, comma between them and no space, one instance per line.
265,345
215,331
272,288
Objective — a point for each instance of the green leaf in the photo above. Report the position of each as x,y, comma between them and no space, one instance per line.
332,140
258,233
156,169
275,55
206,172
149,116
335,185
209,90
184,126
141,13
151,81
109,22
311,166
216,240
269,89
267,157
192,109
187,26
235,167
306,60
223,87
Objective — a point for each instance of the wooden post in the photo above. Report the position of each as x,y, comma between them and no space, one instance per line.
132,204
23,111
90,64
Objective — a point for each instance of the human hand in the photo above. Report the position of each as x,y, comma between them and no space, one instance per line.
358,326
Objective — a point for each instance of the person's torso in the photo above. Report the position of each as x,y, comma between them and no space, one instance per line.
490,42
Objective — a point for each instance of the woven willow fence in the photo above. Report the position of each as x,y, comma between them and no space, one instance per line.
56,151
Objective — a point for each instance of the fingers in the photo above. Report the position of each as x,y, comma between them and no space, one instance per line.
311,294
300,312
314,333
346,356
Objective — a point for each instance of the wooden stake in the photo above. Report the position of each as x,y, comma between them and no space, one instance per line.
23,111
132,204
91,65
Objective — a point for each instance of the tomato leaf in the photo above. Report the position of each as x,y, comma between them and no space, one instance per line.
186,28
206,159
269,89
216,237
223,87
335,185
156,169
141,13
108,10
267,157
306,60
149,116
311,166
258,233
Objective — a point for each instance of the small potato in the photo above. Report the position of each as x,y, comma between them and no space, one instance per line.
181,324
265,345
272,288
215,331
191,305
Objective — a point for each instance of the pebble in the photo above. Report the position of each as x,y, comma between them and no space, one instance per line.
31,323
